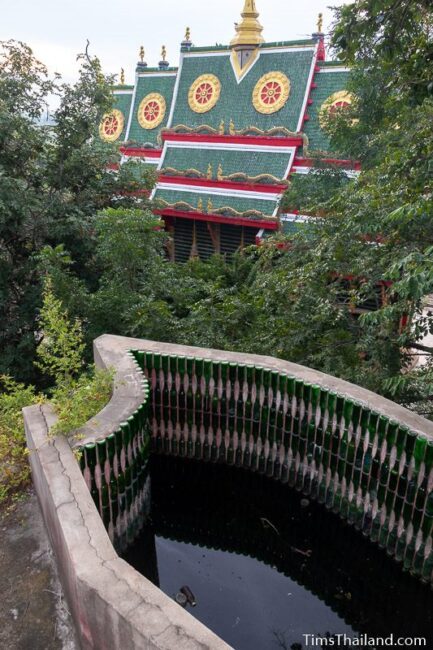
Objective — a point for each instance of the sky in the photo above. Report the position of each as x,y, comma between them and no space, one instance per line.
57,30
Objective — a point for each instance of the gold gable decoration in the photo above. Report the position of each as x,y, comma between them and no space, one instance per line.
111,126
336,102
271,93
204,93
151,111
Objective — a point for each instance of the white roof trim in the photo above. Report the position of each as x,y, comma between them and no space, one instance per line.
144,75
230,147
336,69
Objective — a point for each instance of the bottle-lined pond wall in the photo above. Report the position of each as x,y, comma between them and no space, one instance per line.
116,472
354,452
373,471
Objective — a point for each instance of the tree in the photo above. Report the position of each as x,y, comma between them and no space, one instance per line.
60,351
53,181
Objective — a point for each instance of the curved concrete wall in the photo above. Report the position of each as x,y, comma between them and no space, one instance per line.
365,457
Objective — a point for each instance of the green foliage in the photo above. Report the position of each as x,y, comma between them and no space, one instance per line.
53,182
78,402
14,468
61,349
76,397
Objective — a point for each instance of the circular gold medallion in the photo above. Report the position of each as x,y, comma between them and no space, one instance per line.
271,93
111,126
204,93
335,103
151,111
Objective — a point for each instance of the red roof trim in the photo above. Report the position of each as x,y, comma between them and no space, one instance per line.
139,152
311,162
216,218
263,141
227,185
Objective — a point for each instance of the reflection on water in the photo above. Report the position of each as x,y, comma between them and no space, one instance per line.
267,566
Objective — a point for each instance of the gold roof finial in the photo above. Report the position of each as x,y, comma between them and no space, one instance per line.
142,53
209,206
200,205
220,175
122,76
164,53
209,172
320,24
249,31
188,34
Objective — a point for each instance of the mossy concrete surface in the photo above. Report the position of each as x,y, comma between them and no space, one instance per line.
33,613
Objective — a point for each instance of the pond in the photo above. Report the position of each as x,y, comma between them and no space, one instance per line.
263,566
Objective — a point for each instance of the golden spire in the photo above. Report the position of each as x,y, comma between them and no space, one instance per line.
164,53
188,34
122,77
320,24
249,31
142,53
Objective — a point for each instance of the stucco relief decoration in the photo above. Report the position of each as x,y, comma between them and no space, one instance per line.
151,111
204,93
111,126
271,93
336,102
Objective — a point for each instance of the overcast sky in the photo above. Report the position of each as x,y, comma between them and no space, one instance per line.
58,29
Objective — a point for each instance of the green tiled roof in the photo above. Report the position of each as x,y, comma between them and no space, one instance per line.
236,99
218,201
293,227
162,84
251,163
328,83
123,103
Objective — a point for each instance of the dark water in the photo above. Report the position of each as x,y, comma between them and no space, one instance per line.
267,566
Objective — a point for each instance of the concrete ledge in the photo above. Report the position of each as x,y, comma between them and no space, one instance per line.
110,350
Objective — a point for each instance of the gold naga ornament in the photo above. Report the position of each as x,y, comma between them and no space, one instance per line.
335,103
111,126
271,93
209,206
151,111
204,93
122,77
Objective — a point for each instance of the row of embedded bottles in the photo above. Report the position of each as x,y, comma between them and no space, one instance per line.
116,471
375,472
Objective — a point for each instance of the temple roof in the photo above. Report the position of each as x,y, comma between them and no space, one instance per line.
226,127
